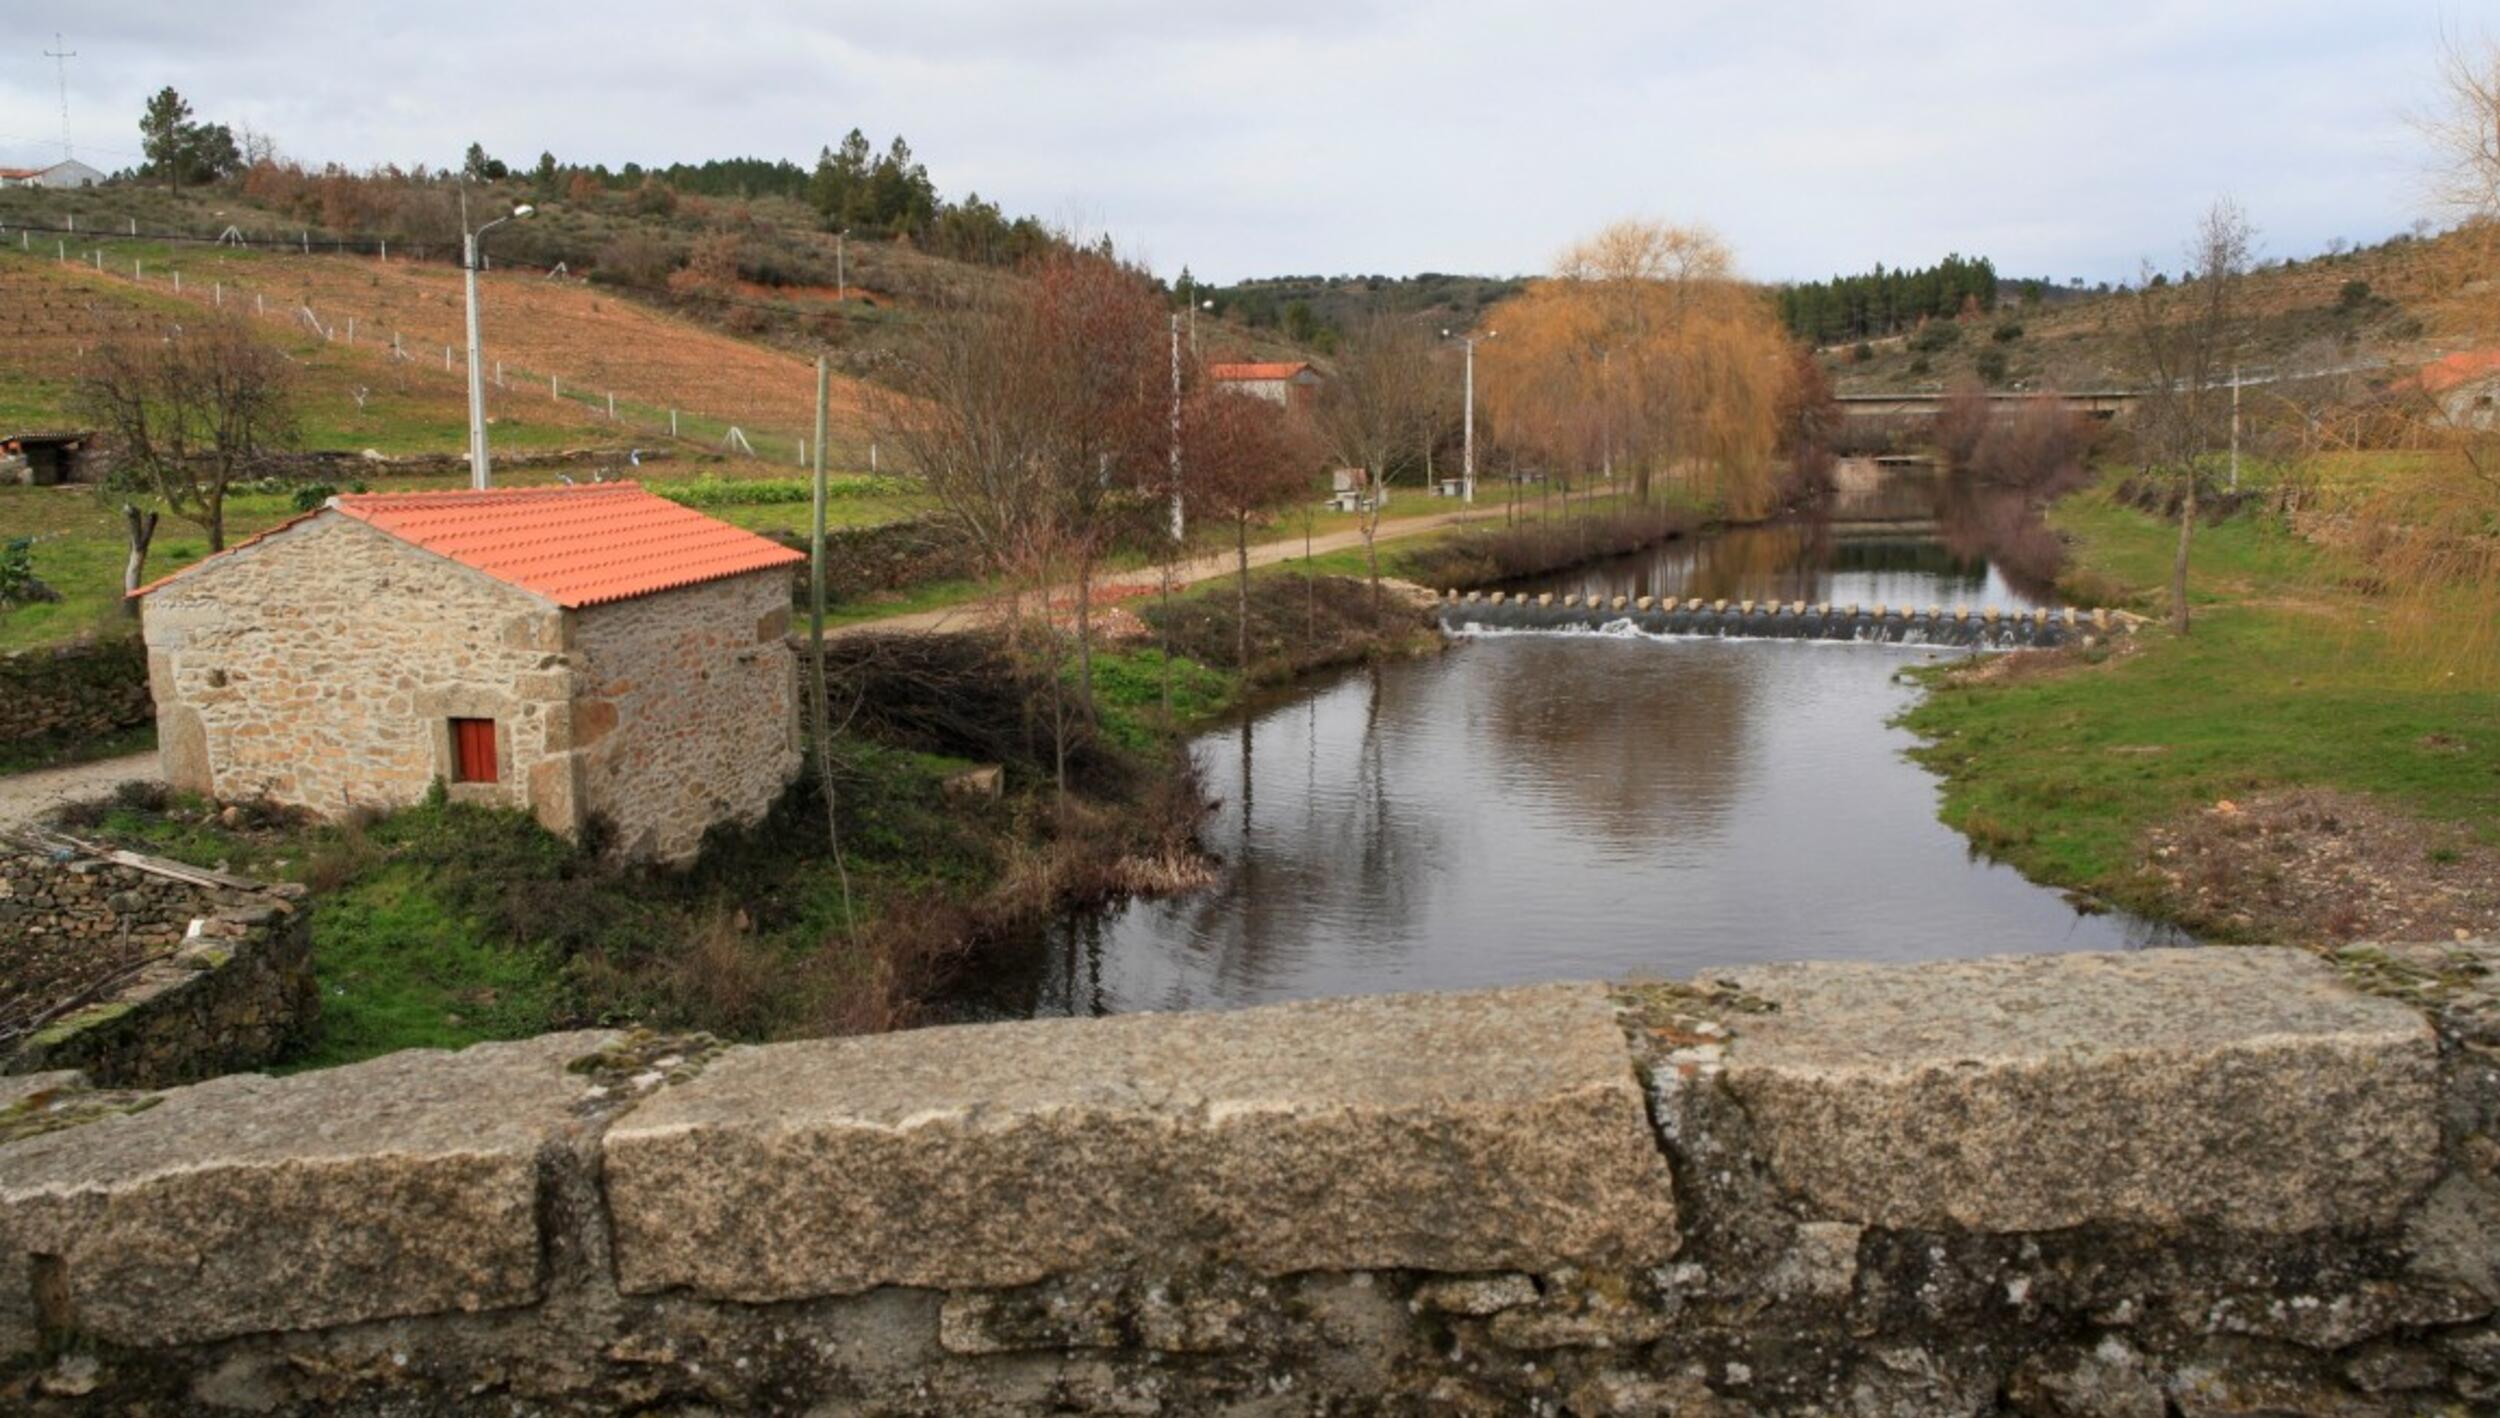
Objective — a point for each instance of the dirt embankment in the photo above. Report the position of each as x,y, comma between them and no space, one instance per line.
2314,866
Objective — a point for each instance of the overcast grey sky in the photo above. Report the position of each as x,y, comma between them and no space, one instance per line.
1367,135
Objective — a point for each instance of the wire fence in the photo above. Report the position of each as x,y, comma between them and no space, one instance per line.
660,418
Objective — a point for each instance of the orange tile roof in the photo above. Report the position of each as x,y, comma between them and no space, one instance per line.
1230,372
577,546
2441,375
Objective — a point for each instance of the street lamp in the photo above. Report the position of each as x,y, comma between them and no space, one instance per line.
469,242
1467,483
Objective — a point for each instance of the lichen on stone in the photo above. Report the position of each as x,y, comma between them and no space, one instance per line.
641,1061
40,1113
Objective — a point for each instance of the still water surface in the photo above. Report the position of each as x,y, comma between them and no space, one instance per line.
1539,807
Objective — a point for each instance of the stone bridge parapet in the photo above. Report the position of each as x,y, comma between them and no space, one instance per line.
2220,1181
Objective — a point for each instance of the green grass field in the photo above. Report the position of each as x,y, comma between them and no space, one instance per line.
2286,680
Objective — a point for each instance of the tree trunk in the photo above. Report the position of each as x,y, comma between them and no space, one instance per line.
142,529
1085,634
2179,566
1241,631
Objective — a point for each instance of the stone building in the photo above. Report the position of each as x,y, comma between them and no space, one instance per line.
593,652
1294,384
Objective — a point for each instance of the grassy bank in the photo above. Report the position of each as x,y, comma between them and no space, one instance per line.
2143,775
445,924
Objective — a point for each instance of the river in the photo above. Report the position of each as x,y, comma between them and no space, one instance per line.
1545,806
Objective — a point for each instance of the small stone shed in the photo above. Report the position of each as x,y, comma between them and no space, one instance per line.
583,652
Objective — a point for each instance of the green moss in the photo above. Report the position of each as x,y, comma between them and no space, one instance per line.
69,1026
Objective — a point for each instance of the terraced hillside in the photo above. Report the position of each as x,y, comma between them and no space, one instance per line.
2396,304
394,328
350,396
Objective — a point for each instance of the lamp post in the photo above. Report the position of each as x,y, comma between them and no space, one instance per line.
1467,482
469,242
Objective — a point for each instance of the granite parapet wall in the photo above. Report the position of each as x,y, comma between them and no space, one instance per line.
2194,1182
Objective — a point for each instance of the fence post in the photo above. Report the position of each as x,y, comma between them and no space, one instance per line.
217,294
553,392
177,280
447,359
259,307
611,403
351,329
672,423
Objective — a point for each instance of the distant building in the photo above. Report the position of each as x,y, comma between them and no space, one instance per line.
1291,384
593,653
67,173
2467,388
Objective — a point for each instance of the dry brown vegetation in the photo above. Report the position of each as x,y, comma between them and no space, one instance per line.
1644,351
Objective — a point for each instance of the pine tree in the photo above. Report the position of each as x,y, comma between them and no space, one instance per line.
162,129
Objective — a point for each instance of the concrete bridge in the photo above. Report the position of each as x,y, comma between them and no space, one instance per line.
1927,403
1987,628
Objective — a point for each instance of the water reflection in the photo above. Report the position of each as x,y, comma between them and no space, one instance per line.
1538,807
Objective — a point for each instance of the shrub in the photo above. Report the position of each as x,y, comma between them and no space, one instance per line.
1936,335
1991,366
711,490
2007,331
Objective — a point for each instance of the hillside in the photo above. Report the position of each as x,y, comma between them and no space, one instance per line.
715,308
350,397
2387,304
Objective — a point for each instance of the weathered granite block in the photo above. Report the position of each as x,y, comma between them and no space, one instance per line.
408,1185
2248,1088
1463,1132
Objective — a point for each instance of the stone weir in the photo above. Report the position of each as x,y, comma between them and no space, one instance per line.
1987,628
2194,1182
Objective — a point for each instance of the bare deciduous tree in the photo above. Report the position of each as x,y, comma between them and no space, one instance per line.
1369,412
1040,421
191,414
1244,456
2184,340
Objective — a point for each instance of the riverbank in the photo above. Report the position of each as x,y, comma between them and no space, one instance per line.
446,925
2286,772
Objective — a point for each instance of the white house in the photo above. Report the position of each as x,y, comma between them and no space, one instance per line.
69,172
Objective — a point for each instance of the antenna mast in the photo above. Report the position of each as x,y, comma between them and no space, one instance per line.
60,68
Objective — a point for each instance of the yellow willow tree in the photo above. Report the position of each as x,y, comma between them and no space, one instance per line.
1643,351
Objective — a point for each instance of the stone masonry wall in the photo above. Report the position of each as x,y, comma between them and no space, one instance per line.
2195,1183
687,712
319,666
71,692
203,979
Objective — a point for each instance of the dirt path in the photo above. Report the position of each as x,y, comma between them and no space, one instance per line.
1203,568
25,797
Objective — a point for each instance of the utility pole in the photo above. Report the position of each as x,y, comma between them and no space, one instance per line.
2235,427
841,269
1178,527
60,71
1467,469
479,472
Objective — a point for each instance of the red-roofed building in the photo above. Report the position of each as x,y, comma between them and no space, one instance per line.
1291,383
2467,386
593,652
